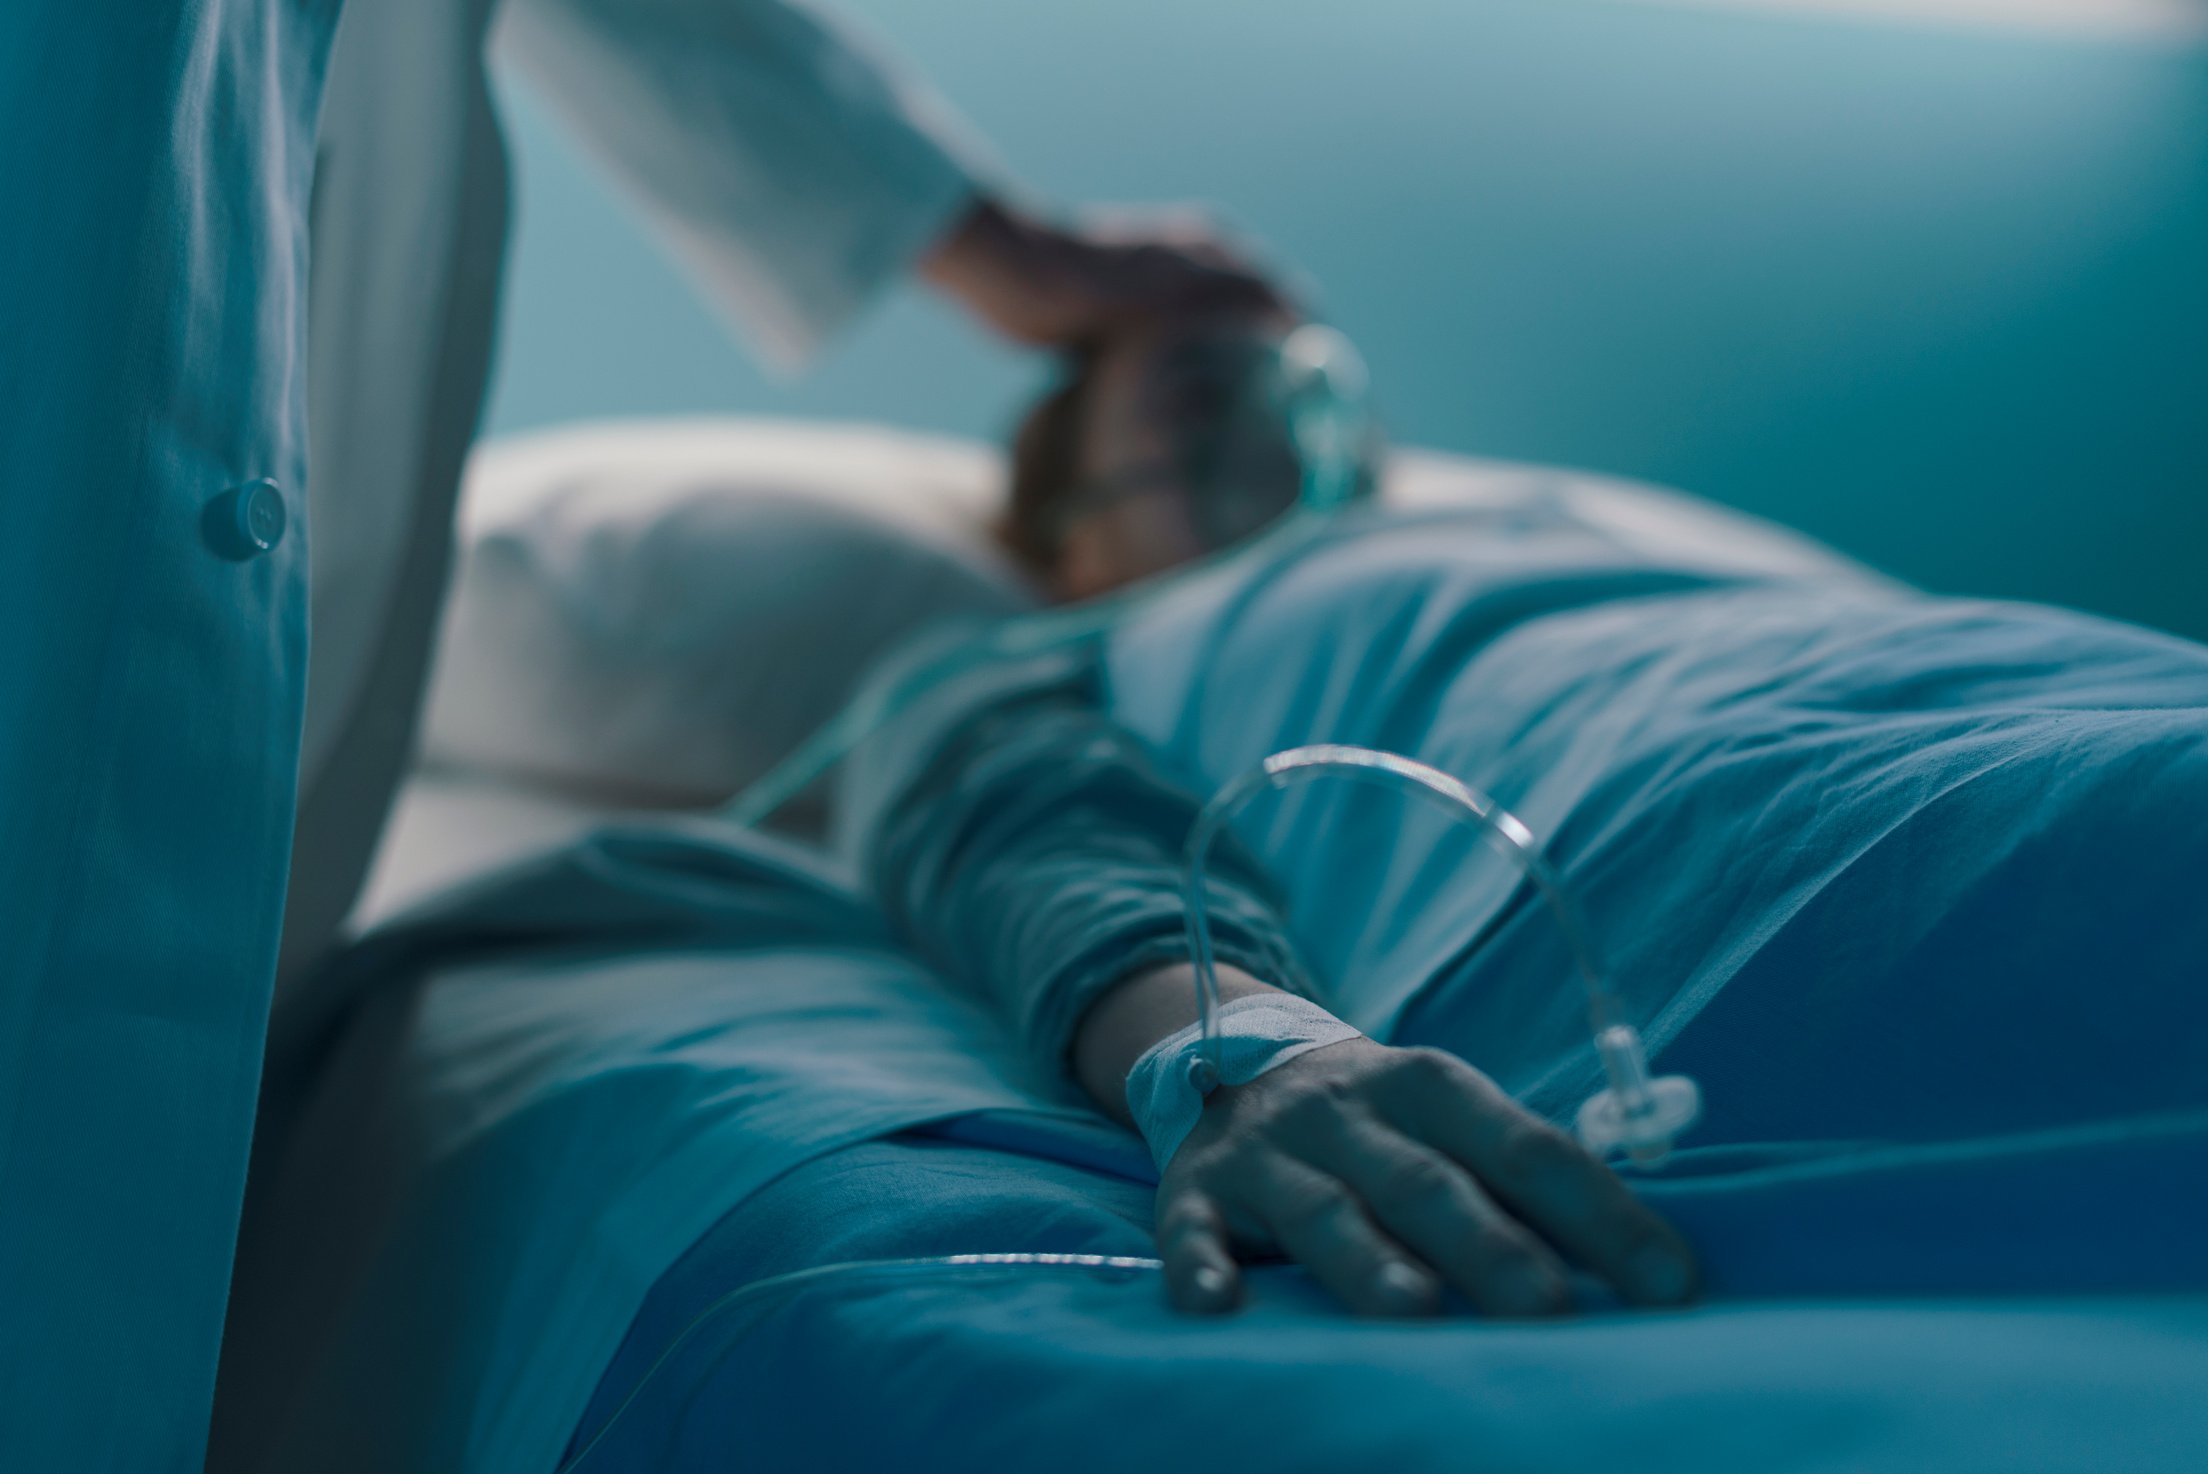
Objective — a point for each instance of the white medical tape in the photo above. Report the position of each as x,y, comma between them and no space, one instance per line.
1256,1033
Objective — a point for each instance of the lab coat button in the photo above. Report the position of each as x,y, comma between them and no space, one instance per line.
247,521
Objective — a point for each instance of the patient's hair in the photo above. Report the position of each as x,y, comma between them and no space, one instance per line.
1201,384
1046,457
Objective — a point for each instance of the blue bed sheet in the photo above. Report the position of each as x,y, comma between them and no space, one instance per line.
1014,1367
1877,865
1913,886
826,1323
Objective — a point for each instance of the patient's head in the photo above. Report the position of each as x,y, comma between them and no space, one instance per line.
1152,451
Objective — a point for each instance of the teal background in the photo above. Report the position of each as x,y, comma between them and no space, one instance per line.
1938,296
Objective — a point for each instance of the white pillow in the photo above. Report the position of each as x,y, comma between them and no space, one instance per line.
655,612
652,613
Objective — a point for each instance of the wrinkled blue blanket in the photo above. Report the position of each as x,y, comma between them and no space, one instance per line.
823,1325
1876,865
1917,888
1913,886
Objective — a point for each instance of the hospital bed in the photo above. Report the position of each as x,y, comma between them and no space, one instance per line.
1941,1236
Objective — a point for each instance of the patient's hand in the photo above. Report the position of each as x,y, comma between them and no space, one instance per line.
1387,1172
1390,1172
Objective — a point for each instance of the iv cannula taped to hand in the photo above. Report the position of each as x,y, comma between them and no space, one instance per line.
1634,1114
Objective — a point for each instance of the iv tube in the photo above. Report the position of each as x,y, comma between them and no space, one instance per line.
1639,1114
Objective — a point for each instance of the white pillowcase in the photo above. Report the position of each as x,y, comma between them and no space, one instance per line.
655,612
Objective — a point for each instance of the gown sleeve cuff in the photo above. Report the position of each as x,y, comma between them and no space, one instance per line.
1256,947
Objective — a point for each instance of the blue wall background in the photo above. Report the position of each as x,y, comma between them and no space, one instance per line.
1937,296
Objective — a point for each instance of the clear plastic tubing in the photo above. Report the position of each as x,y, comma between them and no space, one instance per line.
1635,1113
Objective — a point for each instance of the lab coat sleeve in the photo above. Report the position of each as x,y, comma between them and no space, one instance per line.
791,172
1030,848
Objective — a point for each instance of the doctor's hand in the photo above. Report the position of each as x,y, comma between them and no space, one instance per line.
1048,285
1388,1173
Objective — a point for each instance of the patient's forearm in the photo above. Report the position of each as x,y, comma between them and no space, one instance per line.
1031,849
1121,1025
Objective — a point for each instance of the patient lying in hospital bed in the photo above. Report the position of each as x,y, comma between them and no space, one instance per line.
1893,876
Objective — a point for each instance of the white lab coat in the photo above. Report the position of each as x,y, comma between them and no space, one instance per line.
789,173
161,354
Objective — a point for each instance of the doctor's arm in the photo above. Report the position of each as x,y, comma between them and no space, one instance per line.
1030,847
794,172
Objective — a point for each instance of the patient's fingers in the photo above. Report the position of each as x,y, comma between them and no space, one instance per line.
1319,1223
1200,1273
1437,1210
1543,1176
